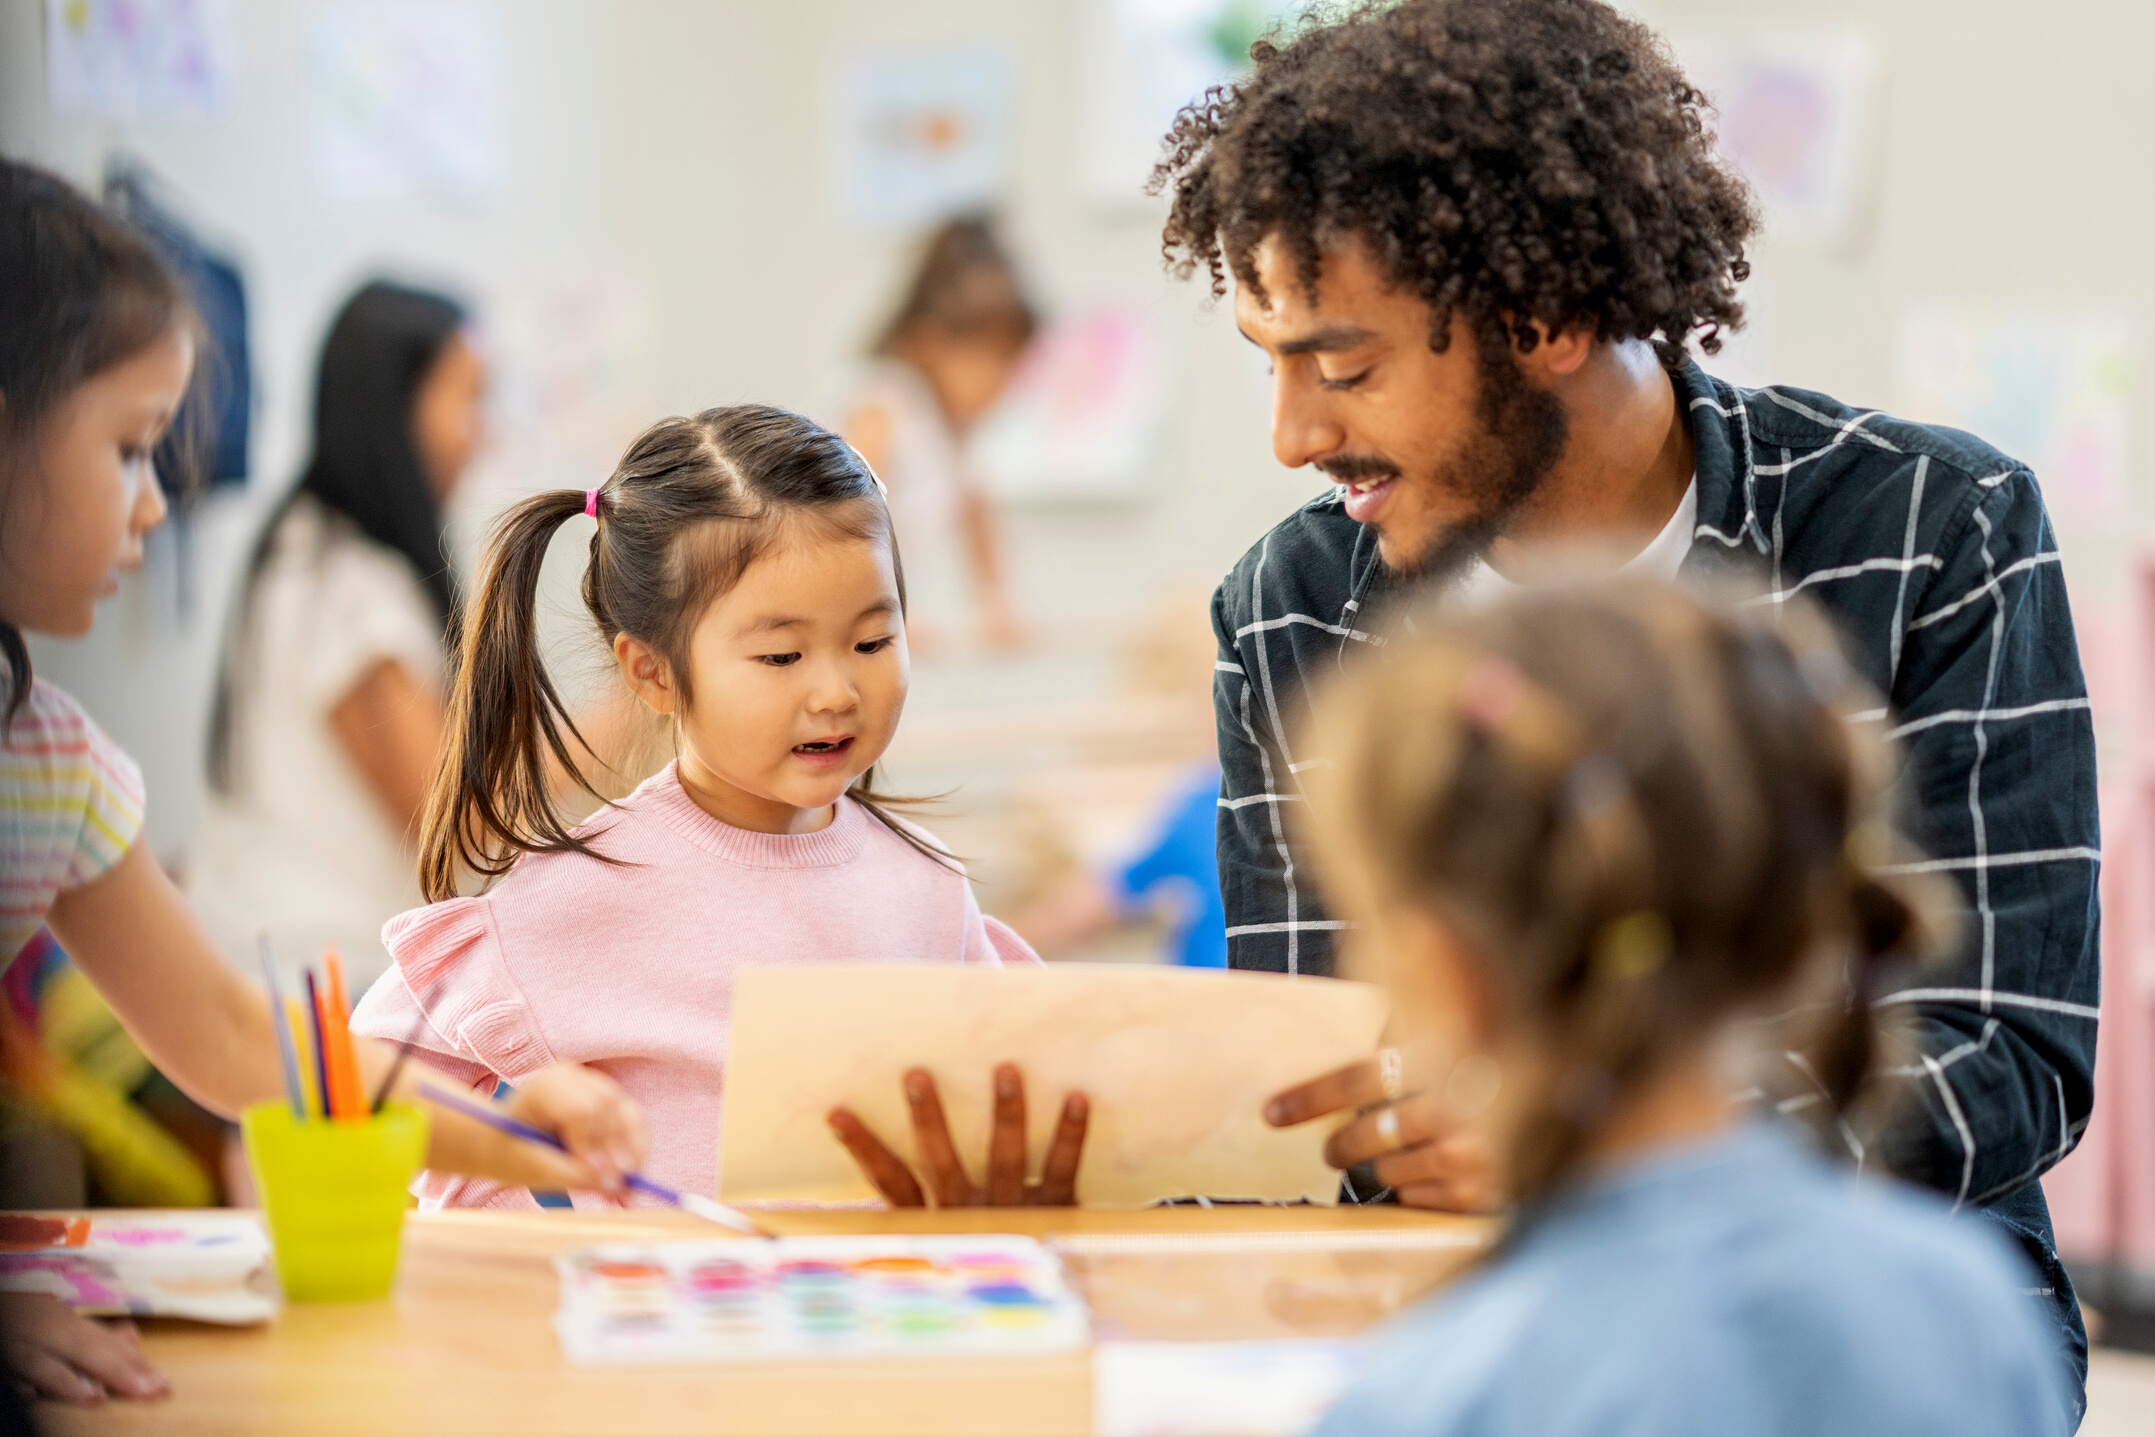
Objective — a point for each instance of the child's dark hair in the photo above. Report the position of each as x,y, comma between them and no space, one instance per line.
966,287
80,291
365,469
692,504
1644,816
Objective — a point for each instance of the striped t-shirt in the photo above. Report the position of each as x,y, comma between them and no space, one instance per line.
70,807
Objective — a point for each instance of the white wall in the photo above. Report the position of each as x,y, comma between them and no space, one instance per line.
679,146
145,672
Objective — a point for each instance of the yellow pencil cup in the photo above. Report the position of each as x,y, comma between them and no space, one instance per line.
335,1194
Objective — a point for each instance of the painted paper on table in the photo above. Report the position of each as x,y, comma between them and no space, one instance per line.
1177,1063
814,1297
133,59
916,137
2053,389
208,1266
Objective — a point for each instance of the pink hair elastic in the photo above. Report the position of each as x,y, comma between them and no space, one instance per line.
591,500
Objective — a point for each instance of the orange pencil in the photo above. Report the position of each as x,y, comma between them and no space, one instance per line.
325,1062
337,1032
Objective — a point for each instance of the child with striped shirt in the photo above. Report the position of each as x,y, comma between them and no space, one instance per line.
97,347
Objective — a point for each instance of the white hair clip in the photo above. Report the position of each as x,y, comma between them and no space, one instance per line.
873,477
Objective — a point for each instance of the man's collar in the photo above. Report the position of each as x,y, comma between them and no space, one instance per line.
1720,444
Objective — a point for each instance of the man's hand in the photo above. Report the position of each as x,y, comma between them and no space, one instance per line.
947,1182
73,1359
1418,1147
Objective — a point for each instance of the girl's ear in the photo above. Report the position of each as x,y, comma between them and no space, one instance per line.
648,676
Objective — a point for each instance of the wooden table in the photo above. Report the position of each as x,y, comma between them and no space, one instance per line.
465,1346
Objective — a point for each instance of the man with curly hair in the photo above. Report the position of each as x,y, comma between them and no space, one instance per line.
1477,238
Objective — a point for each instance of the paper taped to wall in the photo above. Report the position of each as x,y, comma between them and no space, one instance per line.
1178,1064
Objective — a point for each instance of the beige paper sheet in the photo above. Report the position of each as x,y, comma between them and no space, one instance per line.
1177,1062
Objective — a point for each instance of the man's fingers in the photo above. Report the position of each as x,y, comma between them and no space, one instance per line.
1454,1174
1414,1119
1058,1175
1006,1140
940,1167
1355,1086
891,1177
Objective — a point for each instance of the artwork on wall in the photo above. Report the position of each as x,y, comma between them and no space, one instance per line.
1140,61
570,345
920,136
404,100
1798,115
132,59
2052,388
1082,418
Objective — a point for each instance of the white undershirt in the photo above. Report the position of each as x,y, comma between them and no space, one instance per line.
1482,585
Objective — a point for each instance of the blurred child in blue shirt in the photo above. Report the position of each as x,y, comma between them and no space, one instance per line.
1178,869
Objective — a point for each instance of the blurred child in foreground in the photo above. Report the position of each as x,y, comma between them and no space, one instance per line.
1609,848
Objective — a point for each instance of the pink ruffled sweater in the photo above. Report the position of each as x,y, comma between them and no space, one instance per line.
630,967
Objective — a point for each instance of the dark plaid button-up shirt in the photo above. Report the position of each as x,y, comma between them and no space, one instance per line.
1933,553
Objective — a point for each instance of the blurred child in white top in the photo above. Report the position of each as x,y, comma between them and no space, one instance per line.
329,708
938,367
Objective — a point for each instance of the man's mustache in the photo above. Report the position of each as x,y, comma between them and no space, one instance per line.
1350,468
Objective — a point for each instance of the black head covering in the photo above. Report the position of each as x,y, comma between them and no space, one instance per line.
365,465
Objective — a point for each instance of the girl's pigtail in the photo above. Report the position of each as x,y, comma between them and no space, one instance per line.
492,798
1886,926
880,805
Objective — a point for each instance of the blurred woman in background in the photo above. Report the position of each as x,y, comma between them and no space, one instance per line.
329,711
940,364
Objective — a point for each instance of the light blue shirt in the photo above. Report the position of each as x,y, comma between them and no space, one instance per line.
1731,1287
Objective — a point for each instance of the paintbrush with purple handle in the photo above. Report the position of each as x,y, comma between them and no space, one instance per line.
696,1203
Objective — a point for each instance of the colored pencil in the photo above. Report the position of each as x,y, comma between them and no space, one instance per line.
696,1203
295,1015
396,1066
317,1021
287,1055
343,1057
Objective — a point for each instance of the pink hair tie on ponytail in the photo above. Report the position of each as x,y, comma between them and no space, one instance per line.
591,500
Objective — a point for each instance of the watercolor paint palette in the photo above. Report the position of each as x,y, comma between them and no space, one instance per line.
815,1297
210,1266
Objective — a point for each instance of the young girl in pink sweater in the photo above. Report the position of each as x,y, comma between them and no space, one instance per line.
744,573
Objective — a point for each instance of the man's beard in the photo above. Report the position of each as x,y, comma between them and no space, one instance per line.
1521,435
